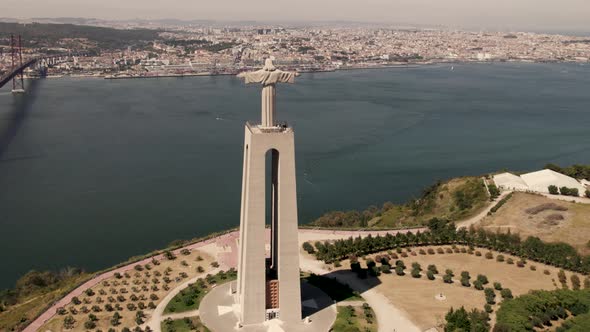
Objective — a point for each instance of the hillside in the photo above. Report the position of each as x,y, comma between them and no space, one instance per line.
52,35
454,200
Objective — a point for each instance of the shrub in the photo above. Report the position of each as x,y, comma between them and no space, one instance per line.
385,269
404,254
546,272
308,247
440,250
432,268
465,282
587,193
399,270
533,268
494,191
422,252
447,279
575,281
185,252
430,251
477,253
497,286
449,251
69,322
169,255
490,295
463,250
416,273
500,258
478,285
488,308
553,190
483,279
510,261
430,275
489,255
506,293
215,264
561,276
520,263
587,283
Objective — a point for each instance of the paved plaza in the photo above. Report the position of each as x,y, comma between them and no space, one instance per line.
219,312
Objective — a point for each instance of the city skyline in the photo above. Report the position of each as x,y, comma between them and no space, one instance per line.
541,15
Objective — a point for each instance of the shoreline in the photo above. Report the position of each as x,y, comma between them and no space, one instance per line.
348,68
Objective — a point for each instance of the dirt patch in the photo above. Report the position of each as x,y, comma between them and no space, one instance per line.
535,215
544,207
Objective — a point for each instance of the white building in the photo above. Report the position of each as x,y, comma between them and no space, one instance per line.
537,181
540,181
509,181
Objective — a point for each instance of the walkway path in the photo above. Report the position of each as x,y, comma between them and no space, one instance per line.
179,315
158,314
389,317
479,217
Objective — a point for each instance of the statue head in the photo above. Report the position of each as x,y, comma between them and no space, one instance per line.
268,66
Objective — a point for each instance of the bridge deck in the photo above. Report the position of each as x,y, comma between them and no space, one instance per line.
10,75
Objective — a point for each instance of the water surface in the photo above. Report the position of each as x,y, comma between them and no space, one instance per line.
95,171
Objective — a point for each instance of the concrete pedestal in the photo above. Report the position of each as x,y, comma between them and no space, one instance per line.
254,275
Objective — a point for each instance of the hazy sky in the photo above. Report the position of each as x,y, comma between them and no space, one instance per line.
532,14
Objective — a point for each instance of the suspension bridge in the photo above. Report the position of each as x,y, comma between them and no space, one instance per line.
19,65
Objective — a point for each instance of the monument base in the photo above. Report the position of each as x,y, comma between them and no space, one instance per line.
219,312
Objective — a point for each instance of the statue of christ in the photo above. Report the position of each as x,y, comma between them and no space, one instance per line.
268,76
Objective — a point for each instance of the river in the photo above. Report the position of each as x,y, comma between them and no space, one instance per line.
94,171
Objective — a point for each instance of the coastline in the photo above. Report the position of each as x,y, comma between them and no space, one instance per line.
347,68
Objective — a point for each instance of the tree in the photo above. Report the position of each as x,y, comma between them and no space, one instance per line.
457,320
483,279
553,190
447,279
89,324
399,270
506,293
308,247
461,320
490,295
575,282
430,275
69,322
432,268
478,285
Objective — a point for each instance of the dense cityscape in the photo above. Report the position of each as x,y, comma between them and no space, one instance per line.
211,50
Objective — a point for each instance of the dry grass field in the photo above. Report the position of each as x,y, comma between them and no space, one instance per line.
141,288
550,220
416,296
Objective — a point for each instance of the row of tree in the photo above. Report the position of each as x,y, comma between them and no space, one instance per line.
442,232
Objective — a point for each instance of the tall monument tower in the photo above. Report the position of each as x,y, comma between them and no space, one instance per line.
269,288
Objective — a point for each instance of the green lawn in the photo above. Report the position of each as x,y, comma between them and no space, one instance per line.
355,319
183,325
189,298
